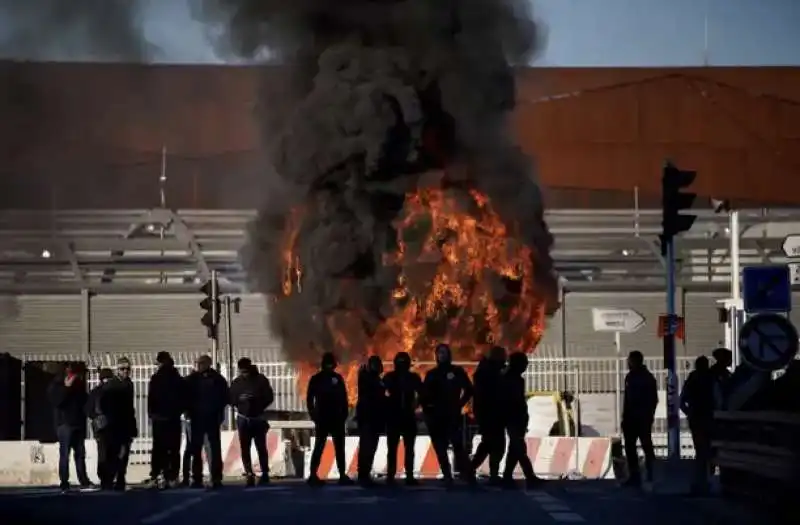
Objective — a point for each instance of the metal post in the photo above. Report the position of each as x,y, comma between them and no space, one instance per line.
618,383
229,338
86,321
214,306
735,278
670,361
563,319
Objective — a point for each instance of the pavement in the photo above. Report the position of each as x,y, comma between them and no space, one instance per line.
293,502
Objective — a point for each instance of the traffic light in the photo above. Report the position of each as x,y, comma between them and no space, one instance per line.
212,306
674,201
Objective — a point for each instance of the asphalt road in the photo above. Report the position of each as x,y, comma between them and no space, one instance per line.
289,503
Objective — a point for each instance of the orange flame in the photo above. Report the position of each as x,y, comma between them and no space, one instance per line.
464,278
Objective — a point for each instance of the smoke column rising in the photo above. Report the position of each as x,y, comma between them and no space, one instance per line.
350,135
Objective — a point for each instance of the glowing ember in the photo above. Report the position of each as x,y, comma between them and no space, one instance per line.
462,277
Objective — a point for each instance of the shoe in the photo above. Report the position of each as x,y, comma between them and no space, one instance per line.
250,480
64,487
412,482
264,480
216,485
314,481
533,483
366,482
185,482
509,484
345,481
495,481
197,485
119,488
87,485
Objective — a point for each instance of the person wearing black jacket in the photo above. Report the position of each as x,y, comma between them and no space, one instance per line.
327,404
515,419
207,396
102,409
487,406
370,416
166,402
125,411
446,390
403,388
638,413
68,396
697,402
251,395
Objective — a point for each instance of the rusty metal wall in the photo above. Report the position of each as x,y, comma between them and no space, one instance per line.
69,128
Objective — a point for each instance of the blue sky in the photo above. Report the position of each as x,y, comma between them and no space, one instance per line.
581,32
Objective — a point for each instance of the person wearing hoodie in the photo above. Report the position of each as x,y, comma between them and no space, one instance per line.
487,406
68,396
251,395
327,404
638,413
166,402
370,416
515,420
103,409
446,391
207,396
403,389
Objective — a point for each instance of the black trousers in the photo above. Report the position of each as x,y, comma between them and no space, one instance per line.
323,430
200,432
443,436
394,431
492,446
253,431
518,455
113,455
701,437
165,455
634,432
368,436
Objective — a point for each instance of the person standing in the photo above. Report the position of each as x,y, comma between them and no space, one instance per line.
514,417
105,428
328,407
697,402
488,407
370,416
68,396
251,395
638,413
720,371
166,402
126,427
403,389
207,394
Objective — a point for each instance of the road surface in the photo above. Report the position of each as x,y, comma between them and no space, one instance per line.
290,503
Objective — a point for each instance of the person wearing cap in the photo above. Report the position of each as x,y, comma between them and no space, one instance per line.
125,414
251,395
207,397
166,402
68,396
328,407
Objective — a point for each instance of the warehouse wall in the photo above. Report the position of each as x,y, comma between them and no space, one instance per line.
58,324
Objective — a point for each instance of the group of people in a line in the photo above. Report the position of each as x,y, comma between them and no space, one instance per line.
194,405
388,405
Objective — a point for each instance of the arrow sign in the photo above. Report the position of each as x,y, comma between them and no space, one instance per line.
791,246
622,320
768,342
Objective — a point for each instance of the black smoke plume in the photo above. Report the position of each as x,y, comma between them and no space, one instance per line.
379,92
100,30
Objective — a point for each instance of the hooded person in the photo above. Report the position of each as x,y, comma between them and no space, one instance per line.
370,415
327,405
446,391
251,395
403,390
487,406
166,402
515,420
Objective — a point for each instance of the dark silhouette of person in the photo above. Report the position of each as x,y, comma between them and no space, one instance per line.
166,402
697,402
327,405
126,427
720,371
108,411
403,388
68,396
514,418
638,413
207,394
445,392
370,416
487,406
251,395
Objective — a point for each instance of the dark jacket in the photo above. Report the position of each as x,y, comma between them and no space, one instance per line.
109,409
641,397
207,397
371,405
514,403
403,393
124,400
68,403
697,397
166,394
327,398
488,391
445,391
251,395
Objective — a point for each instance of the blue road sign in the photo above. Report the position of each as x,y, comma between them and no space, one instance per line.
767,289
768,342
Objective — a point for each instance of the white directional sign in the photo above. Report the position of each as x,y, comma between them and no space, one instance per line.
791,245
621,320
768,342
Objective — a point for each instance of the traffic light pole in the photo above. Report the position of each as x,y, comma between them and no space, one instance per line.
215,336
670,360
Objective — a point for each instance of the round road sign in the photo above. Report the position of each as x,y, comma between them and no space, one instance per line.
768,342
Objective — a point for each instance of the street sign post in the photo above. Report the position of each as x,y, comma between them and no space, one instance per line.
791,246
767,289
768,342
617,321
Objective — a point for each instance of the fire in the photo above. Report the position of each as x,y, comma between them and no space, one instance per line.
463,277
